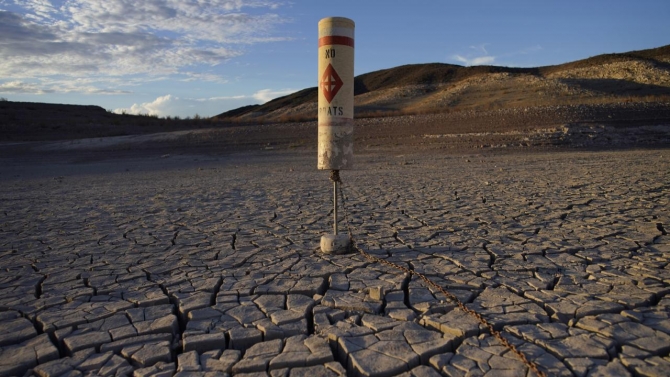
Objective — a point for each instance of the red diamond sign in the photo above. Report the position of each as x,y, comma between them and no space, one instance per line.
330,83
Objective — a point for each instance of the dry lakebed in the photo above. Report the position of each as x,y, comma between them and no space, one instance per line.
205,265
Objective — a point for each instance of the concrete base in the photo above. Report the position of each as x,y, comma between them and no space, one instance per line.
335,244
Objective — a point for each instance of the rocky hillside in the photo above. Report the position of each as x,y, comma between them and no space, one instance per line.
638,76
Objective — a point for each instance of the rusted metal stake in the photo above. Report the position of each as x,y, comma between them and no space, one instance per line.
335,208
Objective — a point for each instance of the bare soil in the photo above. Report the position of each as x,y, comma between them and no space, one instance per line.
552,128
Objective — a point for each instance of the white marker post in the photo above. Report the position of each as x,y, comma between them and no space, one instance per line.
336,111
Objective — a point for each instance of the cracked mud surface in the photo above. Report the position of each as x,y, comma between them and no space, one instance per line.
209,268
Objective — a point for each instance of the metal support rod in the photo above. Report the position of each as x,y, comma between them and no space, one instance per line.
335,207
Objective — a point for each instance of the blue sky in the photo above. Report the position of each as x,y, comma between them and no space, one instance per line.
187,57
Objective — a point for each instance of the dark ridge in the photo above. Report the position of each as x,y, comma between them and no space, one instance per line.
302,96
238,112
295,99
425,74
33,110
651,55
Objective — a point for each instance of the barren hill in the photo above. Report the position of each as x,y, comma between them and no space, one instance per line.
33,121
638,76
614,100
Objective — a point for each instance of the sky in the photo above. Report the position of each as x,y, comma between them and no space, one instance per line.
204,57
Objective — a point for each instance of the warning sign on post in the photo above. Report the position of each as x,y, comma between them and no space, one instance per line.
336,93
330,83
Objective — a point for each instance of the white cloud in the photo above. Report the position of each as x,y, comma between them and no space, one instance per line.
119,38
187,107
172,105
265,95
219,98
480,48
480,60
42,8
480,57
47,86
160,106
21,87
207,77
210,20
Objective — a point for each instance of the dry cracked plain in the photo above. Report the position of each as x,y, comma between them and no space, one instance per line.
210,267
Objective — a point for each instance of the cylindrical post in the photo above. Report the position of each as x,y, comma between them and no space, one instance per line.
336,112
335,207
336,93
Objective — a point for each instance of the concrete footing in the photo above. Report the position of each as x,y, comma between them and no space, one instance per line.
335,244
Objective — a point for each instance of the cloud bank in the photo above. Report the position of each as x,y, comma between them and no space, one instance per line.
169,104
44,41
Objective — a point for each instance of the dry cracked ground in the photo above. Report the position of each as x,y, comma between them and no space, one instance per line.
209,267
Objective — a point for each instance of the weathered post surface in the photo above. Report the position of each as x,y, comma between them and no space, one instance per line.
336,93
336,111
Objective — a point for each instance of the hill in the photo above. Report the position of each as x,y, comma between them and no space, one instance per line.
608,101
637,76
33,121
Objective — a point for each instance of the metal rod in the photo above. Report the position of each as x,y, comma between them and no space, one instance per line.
335,207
